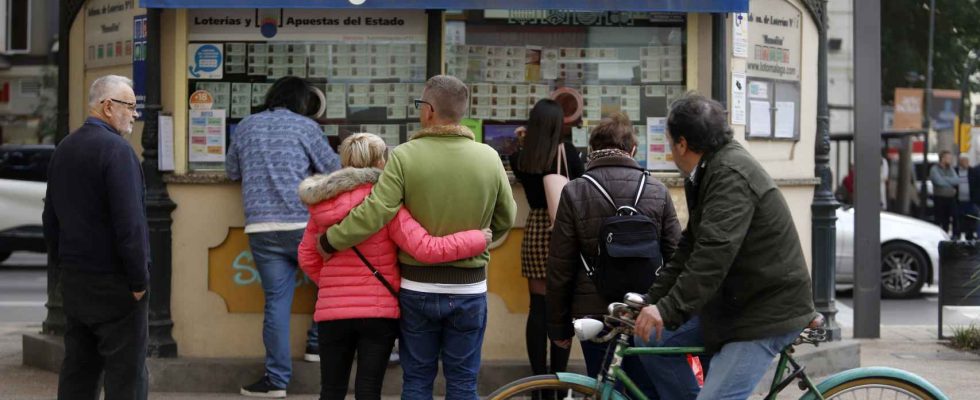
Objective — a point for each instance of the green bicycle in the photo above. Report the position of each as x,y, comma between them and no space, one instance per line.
858,383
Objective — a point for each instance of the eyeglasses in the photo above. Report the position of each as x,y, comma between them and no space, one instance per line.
130,106
420,102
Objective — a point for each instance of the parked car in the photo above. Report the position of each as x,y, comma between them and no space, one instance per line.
909,253
23,176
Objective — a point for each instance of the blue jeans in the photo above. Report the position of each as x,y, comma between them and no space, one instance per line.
739,366
658,377
274,254
672,375
449,326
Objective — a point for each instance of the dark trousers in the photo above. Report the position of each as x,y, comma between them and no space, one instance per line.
944,209
372,340
965,223
106,333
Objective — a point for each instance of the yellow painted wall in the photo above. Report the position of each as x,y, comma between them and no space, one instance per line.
207,325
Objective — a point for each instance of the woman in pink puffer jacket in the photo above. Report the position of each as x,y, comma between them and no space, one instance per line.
354,310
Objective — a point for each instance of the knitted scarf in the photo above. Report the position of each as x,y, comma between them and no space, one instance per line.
597,154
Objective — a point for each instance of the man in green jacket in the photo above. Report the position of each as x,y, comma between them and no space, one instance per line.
450,183
739,264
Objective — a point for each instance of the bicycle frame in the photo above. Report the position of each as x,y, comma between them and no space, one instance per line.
779,383
605,384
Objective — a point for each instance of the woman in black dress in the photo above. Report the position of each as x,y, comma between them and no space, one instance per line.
536,159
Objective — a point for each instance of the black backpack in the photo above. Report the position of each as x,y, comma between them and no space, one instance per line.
629,257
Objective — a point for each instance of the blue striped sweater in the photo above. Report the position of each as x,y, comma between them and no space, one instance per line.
271,152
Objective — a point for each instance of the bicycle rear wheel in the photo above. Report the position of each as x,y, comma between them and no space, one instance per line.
873,388
543,387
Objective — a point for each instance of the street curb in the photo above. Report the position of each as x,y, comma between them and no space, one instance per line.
227,375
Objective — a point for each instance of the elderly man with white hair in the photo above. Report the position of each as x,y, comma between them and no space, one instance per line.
96,233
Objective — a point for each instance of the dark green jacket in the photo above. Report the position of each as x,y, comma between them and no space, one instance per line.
739,264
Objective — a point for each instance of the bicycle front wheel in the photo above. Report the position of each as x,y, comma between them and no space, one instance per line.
872,388
542,387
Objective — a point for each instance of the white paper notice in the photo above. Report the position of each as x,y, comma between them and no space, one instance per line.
580,136
738,98
760,124
549,64
785,119
165,142
758,90
616,71
740,35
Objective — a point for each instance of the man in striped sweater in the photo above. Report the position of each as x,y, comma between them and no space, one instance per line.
271,153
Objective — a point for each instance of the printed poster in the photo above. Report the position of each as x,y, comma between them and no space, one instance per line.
206,60
139,63
659,156
109,32
207,136
738,98
740,35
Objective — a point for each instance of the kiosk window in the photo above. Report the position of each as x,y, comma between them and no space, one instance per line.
632,63
364,73
773,109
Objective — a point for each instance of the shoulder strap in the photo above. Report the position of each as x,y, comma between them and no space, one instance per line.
375,272
601,190
562,159
636,199
639,189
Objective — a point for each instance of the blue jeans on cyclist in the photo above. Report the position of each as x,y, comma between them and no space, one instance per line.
658,377
738,367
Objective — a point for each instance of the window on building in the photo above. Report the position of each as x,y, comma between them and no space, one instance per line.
17,26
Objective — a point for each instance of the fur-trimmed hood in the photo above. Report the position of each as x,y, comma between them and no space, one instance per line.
318,188
444,130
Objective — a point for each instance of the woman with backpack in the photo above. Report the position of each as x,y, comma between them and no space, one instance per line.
582,280
539,157
357,310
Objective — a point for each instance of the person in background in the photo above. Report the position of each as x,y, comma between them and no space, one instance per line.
966,209
271,153
355,311
571,293
944,185
96,233
451,183
845,191
536,159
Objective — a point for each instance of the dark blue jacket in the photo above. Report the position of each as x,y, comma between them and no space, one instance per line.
974,179
94,218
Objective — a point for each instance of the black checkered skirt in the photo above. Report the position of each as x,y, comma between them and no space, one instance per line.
534,248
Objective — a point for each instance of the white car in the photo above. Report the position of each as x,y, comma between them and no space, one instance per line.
909,253
23,171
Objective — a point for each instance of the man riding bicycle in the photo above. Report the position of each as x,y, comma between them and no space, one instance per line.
739,264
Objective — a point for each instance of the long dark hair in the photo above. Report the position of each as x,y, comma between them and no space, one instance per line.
543,137
289,92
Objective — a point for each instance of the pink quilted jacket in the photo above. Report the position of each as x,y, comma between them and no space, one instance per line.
347,288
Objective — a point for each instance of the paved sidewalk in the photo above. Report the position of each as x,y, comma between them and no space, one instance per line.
916,349
912,348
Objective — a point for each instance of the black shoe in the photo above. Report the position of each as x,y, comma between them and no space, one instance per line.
312,354
264,388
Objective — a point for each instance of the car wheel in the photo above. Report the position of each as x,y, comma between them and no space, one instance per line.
4,255
903,270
